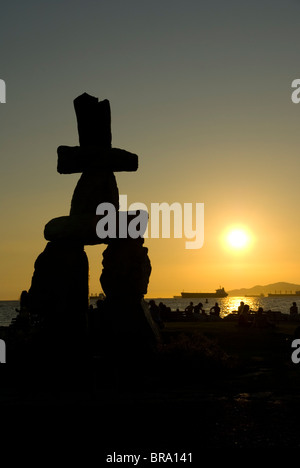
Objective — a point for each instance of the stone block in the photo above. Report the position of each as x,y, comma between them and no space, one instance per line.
74,159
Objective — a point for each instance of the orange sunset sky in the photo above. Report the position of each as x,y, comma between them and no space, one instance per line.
200,91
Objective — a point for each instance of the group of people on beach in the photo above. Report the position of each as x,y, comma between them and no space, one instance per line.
244,308
246,317
161,312
198,309
260,319
158,312
243,314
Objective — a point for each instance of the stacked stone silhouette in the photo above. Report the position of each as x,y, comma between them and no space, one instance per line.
59,292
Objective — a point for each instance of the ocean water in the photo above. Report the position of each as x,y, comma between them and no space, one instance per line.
8,312
227,305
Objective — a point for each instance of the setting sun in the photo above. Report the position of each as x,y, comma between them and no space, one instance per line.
237,238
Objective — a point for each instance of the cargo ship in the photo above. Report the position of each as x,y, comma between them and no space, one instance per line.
219,293
291,294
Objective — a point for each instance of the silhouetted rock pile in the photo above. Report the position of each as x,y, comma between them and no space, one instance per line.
59,292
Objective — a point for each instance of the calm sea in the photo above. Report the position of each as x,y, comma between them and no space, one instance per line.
228,304
8,312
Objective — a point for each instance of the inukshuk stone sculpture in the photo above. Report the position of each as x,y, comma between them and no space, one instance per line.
59,292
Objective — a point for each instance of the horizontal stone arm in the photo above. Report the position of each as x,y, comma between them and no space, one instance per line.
83,228
74,159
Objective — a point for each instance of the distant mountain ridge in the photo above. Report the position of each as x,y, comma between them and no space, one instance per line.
280,287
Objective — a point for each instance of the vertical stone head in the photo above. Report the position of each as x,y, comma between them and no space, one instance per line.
93,121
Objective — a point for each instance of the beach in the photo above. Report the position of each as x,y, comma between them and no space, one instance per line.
238,386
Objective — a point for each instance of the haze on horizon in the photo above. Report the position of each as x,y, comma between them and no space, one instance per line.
200,91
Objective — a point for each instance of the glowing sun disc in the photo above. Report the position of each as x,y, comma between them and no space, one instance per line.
237,239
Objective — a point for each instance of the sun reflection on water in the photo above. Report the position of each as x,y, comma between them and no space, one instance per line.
231,304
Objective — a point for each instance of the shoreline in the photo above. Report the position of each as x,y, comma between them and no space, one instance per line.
240,385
